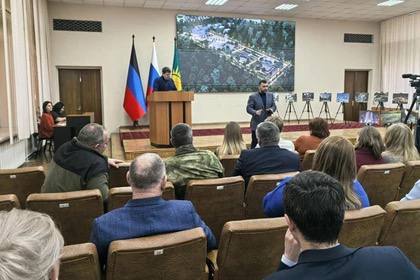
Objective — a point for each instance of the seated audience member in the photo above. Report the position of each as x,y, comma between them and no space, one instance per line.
369,147
315,204
58,112
335,156
46,125
269,158
414,193
30,246
319,131
189,163
233,143
164,82
285,144
399,143
79,163
146,213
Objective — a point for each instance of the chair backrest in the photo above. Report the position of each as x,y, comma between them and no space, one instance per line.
80,262
73,212
8,201
411,176
258,187
118,176
22,181
402,228
217,201
178,255
228,162
362,227
118,197
250,249
308,158
381,181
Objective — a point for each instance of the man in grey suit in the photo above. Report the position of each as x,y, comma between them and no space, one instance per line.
260,106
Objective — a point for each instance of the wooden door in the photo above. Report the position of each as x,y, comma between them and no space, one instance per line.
355,81
80,91
91,92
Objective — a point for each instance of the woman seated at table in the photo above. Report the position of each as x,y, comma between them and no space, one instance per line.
46,125
58,112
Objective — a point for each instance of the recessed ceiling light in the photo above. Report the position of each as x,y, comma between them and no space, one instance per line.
286,7
390,3
216,2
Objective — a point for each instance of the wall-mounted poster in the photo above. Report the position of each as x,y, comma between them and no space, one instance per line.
219,54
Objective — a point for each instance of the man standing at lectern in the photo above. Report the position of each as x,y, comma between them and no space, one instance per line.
164,82
260,106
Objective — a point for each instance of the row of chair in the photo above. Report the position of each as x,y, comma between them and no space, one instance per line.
221,200
248,249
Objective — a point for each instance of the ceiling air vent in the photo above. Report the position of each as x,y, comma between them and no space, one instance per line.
77,25
358,38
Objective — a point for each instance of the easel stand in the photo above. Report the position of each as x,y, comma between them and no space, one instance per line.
289,108
326,110
339,110
380,106
308,109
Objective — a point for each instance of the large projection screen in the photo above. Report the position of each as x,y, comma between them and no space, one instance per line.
219,54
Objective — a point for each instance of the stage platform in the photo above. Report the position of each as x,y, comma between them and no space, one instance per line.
131,142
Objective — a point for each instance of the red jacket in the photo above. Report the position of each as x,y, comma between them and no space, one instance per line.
46,126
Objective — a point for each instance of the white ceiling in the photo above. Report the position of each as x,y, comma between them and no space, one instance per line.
355,10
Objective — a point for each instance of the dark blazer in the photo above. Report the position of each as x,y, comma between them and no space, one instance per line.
144,217
265,160
344,263
255,103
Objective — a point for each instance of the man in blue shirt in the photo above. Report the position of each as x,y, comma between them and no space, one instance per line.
146,213
164,82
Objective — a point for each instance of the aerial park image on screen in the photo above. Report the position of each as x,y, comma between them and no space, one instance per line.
220,54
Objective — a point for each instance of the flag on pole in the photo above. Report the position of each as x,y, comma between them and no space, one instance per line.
153,71
176,71
134,102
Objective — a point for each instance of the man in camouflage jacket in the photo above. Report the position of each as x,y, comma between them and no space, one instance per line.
188,162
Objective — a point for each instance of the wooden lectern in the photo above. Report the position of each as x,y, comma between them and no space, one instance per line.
167,108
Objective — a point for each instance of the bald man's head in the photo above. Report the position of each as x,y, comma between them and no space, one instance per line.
146,171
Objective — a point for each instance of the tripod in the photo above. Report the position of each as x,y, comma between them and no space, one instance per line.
326,110
308,108
338,111
289,108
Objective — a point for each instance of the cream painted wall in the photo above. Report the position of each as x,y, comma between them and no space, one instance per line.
321,57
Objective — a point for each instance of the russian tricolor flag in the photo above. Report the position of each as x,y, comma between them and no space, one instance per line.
153,71
134,101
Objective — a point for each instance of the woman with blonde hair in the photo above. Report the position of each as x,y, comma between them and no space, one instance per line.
335,156
369,147
30,246
233,143
399,143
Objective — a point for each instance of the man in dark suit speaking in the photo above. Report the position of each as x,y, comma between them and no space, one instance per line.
260,106
314,207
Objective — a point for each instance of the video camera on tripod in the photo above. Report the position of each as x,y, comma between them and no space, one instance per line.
415,83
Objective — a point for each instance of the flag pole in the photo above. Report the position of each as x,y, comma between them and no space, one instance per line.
136,122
